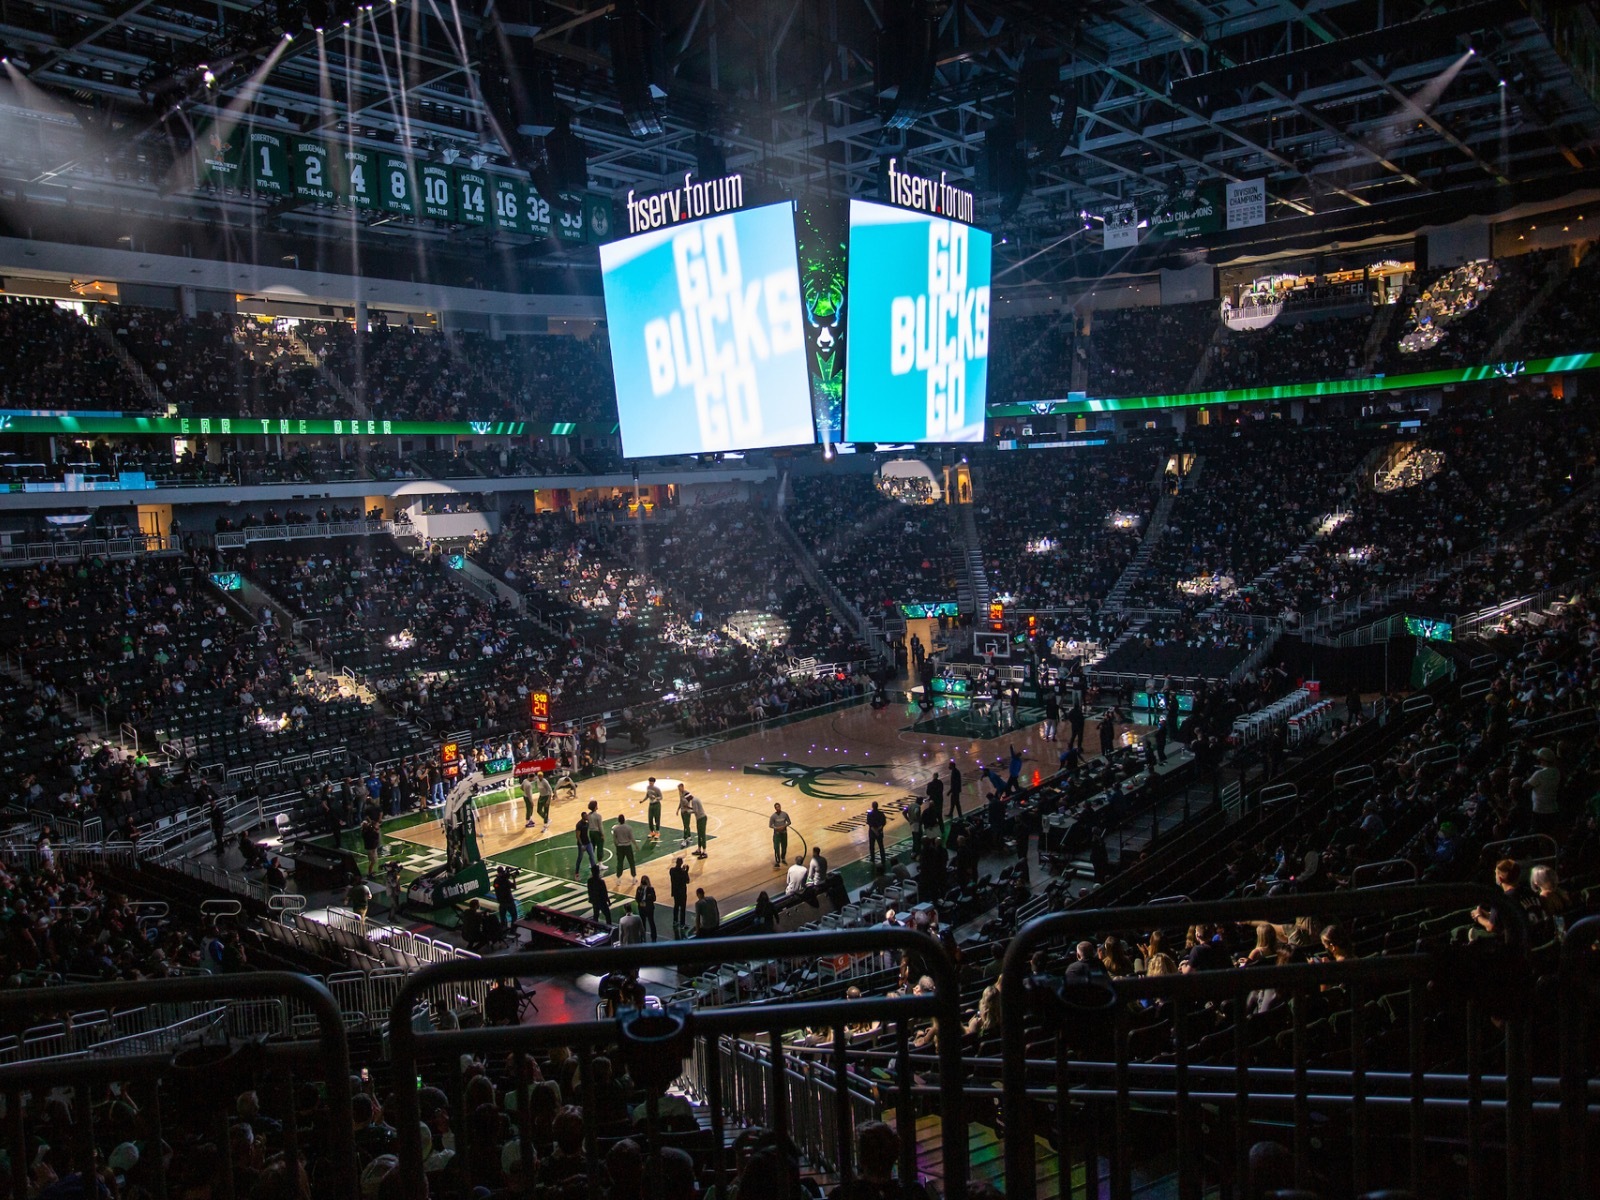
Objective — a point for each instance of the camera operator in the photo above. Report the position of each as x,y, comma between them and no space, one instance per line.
504,881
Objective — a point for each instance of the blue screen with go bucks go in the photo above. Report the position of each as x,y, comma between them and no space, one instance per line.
918,316
708,335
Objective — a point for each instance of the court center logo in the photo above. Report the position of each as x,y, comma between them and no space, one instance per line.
813,781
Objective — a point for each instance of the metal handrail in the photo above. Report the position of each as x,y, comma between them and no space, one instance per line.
1375,868
330,1052
1578,953
407,1044
1218,985
1529,838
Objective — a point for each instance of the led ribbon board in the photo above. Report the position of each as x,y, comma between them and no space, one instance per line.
918,327
707,335
1078,403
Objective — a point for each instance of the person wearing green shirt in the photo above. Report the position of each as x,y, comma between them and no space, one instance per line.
685,810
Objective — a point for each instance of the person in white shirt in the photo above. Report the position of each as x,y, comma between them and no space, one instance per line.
622,839
1544,790
795,882
818,869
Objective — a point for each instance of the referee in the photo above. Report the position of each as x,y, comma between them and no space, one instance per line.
779,823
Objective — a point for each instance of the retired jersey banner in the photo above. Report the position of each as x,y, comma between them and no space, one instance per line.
359,177
313,169
397,185
266,156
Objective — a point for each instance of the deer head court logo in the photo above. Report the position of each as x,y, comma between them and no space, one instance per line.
812,781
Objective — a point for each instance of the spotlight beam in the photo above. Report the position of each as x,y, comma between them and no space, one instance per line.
1327,34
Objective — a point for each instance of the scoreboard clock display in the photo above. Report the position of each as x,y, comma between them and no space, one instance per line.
539,705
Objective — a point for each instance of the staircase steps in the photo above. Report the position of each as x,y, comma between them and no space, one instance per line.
1382,321
66,697
1118,596
1554,278
986,1158
130,365
848,614
340,388
1202,369
973,592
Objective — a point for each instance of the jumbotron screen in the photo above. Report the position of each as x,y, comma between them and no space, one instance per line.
708,335
918,327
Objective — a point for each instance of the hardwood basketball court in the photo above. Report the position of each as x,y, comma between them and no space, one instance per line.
826,771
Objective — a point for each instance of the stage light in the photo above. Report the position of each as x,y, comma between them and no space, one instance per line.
904,67
638,68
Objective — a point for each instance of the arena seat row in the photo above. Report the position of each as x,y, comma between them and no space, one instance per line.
220,363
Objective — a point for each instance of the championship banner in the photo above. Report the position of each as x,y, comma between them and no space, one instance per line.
1189,212
1122,227
1247,203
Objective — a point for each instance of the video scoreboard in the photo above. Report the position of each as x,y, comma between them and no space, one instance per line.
707,334
918,317
736,328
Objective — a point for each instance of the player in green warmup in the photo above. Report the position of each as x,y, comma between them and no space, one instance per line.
685,810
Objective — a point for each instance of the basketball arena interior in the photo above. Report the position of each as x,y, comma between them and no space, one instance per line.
781,599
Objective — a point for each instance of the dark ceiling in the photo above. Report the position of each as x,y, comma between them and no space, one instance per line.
1362,115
